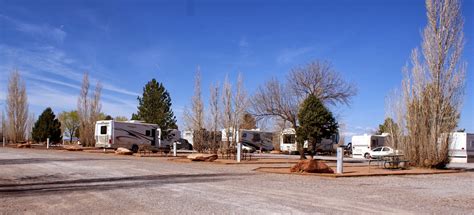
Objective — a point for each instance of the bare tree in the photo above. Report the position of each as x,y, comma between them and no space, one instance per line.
195,119
433,87
215,114
88,109
240,106
281,101
276,101
227,111
3,125
17,108
320,79
29,126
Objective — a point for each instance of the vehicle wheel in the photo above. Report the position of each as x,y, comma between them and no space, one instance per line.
134,148
367,156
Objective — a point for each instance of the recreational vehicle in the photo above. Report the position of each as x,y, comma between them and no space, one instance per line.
131,134
361,145
254,138
288,143
188,135
461,147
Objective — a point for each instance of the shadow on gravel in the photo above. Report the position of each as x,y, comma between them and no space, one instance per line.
105,184
45,160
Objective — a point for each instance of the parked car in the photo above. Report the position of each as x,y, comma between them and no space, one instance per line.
183,144
379,151
246,147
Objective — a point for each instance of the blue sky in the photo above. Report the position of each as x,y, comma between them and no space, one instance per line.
124,44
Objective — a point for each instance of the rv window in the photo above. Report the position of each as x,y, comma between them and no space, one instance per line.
103,129
147,133
289,138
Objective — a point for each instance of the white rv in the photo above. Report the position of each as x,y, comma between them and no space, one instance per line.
188,135
131,134
253,138
288,143
361,145
461,147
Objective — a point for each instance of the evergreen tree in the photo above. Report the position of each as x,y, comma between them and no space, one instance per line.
388,126
315,122
155,106
47,126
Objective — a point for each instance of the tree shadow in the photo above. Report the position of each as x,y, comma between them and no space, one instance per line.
112,183
45,160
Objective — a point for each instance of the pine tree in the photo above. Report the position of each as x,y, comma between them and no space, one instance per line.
47,126
155,106
315,122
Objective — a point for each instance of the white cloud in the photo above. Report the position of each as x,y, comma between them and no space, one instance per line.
38,30
289,55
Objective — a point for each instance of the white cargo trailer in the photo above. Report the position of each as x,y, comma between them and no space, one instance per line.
461,147
362,144
131,135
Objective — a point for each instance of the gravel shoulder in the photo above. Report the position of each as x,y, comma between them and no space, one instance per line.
61,182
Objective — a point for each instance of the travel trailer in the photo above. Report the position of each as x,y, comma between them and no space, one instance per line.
288,143
132,134
461,147
362,144
259,140
188,135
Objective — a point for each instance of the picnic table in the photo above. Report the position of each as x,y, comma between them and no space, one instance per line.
393,161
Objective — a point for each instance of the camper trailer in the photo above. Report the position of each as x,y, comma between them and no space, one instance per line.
361,145
288,143
461,147
252,138
131,134
188,135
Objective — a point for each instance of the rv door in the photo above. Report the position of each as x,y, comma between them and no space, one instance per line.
104,135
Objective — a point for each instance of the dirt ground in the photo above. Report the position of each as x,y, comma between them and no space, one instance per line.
63,182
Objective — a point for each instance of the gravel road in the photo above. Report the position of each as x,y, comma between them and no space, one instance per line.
61,182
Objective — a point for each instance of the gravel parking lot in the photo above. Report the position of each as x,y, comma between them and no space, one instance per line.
61,182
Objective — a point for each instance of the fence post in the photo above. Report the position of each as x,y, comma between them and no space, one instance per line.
47,143
3,142
340,161
174,149
239,150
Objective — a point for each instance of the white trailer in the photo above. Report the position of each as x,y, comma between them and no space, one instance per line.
131,134
461,147
260,140
288,143
361,145
189,135
250,137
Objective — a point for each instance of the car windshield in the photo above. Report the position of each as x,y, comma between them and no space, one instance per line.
386,149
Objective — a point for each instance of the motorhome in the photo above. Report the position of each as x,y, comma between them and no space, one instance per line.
288,143
362,144
132,134
461,147
255,138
